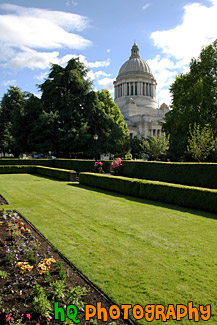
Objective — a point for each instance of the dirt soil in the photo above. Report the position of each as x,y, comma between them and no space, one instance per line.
2,200
16,288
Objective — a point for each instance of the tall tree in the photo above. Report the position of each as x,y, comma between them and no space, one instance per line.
64,97
12,121
75,113
114,133
193,101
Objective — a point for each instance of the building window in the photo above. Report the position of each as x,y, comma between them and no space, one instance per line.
131,89
131,135
147,90
128,89
135,88
143,88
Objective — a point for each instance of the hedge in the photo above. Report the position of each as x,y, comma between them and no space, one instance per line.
80,165
63,174
192,197
10,169
21,162
193,174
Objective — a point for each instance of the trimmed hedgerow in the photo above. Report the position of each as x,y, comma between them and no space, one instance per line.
12,169
192,197
75,164
80,165
63,174
193,174
66,175
21,162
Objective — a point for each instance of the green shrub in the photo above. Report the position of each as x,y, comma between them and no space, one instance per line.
193,197
66,175
80,165
194,174
12,169
30,162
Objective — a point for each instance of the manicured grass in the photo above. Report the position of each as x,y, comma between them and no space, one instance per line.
136,251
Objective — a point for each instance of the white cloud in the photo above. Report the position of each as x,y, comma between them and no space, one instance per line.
71,2
39,28
101,73
42,76
32,59
107,83
163,96
9,83
98,64
186,40
145,6
27,35
181,43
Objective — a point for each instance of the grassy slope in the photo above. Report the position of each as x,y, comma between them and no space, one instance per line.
136,251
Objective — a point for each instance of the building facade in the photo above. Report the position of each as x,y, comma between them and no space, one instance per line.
135,94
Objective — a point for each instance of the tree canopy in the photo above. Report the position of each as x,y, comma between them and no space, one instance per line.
193,101
65,119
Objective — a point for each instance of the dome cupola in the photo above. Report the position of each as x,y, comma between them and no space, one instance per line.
135,79
135,65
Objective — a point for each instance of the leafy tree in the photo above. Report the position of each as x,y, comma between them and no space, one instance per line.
75,113
200,142
64,95
156,146
113,132
193,101
12,121
137,147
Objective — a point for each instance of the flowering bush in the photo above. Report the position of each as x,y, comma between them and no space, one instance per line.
115,164
98,166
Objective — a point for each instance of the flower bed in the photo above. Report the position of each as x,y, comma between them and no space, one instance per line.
33,276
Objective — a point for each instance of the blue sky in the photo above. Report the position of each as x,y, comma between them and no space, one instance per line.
35,33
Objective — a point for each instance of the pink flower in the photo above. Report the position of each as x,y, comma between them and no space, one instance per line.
96,164
48,319
28,316
8,318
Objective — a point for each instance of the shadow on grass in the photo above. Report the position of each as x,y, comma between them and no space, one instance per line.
48,177
149,202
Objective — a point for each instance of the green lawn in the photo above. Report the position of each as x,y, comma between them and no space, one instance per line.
136,251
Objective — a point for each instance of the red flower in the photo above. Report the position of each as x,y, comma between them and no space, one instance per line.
8,318
48,319
28,316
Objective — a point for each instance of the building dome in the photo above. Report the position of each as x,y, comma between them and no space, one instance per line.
135,95
135,65
135,80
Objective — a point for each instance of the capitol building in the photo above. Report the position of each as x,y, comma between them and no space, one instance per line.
135,95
